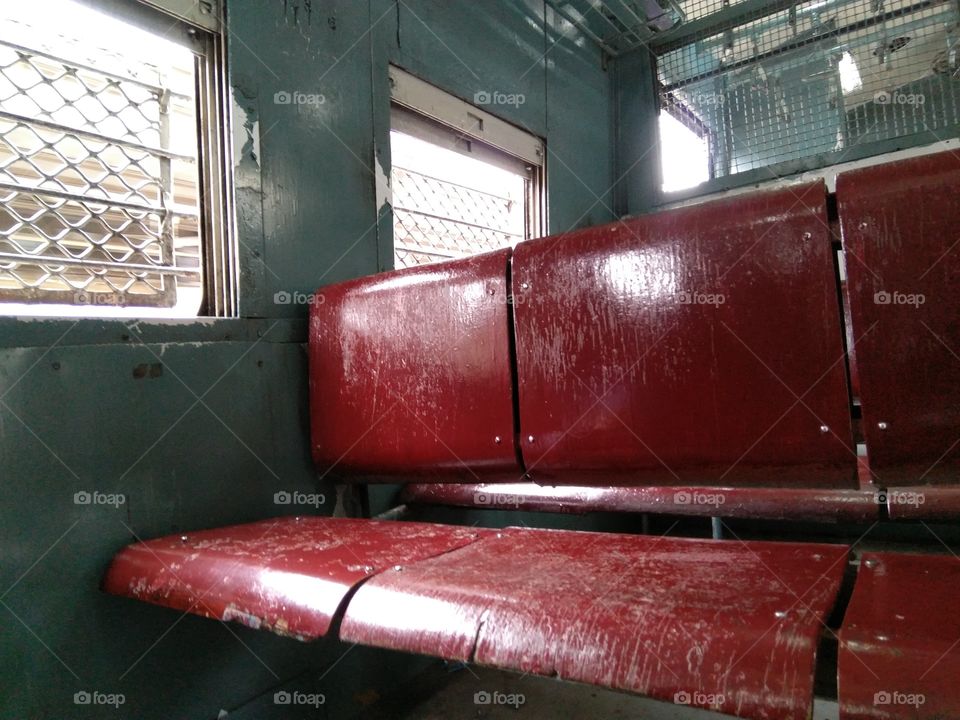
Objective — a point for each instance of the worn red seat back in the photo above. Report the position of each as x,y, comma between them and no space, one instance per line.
695,346
901,237
410,374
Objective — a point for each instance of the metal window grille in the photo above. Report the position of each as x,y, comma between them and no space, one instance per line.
437,220
799,80
98,176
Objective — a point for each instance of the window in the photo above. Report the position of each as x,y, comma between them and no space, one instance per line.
684,153
463,181
110,196
816,81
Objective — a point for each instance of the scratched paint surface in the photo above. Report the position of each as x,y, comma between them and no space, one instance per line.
898,653
288,575
693,346
733,626
901,225
810,504
410,373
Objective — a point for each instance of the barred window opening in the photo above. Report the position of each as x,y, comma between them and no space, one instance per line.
448,206
100,207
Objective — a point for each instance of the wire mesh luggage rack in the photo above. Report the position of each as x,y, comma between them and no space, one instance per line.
96,207
817,77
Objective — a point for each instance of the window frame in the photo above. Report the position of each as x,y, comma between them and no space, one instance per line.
425,111
198,27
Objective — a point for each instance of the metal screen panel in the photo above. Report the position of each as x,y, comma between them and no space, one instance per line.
816,77
437,219
98,203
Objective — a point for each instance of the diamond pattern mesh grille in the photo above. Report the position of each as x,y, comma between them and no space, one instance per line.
96,206
437,220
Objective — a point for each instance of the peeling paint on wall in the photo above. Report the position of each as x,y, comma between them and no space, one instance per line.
246,138
384,191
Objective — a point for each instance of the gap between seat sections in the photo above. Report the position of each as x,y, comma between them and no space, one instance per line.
825,667
514,371
336,620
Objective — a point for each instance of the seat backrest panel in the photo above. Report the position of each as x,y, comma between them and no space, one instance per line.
900,225
694,346
410,374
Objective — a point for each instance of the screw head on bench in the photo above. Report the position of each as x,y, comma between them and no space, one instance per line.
497,440
529,438
882,425
870,563
824,429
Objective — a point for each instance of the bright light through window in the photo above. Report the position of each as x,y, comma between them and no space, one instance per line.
685,156
849,74
99,176
447,205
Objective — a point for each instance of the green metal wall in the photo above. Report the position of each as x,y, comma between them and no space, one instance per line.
210,438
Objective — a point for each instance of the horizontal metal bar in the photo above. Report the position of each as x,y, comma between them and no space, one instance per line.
88,200
717,22
48,125
458,222
448,182
97,264
434,251
90,68
808,504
